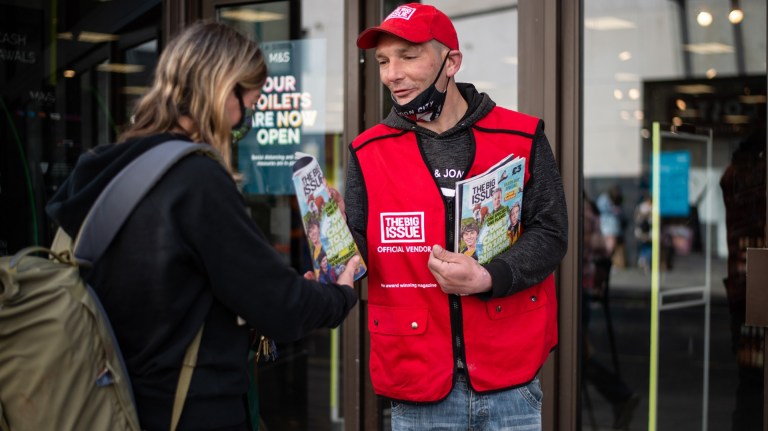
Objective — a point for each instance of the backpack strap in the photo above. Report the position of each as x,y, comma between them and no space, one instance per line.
3,423
61,243
123,193
187,367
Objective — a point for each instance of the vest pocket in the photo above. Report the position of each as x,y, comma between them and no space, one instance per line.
408,360
397,321
521,302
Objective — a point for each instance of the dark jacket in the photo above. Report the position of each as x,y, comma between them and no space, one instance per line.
189,254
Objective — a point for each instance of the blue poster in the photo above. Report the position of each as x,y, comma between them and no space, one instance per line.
289,117
673,177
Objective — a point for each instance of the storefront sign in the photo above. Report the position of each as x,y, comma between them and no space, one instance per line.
289,116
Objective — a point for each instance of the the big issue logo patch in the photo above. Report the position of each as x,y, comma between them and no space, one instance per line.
402,227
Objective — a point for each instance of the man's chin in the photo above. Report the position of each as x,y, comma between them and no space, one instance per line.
401,100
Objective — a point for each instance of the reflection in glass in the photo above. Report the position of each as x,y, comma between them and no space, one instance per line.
707,84
300,109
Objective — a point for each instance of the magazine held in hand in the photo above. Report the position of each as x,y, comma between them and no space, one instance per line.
488,210
330,242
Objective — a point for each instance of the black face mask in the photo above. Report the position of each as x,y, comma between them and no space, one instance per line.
428,105
245,124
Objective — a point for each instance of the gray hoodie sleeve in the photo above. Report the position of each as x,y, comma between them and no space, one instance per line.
544,241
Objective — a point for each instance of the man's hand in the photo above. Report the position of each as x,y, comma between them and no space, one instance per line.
458,273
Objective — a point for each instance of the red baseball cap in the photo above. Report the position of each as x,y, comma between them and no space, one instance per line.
414,22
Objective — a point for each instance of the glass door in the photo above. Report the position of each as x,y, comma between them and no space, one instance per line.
300,109
69,78
674,142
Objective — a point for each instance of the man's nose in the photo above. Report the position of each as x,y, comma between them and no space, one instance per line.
393,72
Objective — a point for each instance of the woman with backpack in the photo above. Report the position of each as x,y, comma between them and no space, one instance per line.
189,256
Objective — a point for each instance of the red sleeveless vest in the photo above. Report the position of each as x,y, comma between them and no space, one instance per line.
412,357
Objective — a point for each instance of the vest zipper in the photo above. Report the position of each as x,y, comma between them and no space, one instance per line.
457,330
449,222
457,327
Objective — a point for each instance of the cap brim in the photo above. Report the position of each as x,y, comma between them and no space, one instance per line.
369,38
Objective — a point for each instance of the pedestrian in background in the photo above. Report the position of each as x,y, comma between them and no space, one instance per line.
613,223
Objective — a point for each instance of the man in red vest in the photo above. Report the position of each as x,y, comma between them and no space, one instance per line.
454,344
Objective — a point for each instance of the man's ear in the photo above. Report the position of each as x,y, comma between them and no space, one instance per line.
454,62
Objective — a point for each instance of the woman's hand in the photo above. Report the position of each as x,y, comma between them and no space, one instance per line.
347,277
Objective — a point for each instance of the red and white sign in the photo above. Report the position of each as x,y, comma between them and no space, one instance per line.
402,227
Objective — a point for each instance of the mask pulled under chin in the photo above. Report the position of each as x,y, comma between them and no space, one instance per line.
428,105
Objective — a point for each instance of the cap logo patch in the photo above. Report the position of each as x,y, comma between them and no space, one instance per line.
402,12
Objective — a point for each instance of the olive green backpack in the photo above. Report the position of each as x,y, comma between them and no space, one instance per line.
60,365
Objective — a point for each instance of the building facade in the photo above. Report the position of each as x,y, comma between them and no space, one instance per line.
656,111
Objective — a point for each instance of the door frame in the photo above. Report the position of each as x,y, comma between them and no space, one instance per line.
549,86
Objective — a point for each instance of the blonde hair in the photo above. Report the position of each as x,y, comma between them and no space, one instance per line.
196,73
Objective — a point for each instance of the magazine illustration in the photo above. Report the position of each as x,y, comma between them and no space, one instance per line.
331,244
488,210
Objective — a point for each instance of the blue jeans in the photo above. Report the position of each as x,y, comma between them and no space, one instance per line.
463,409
